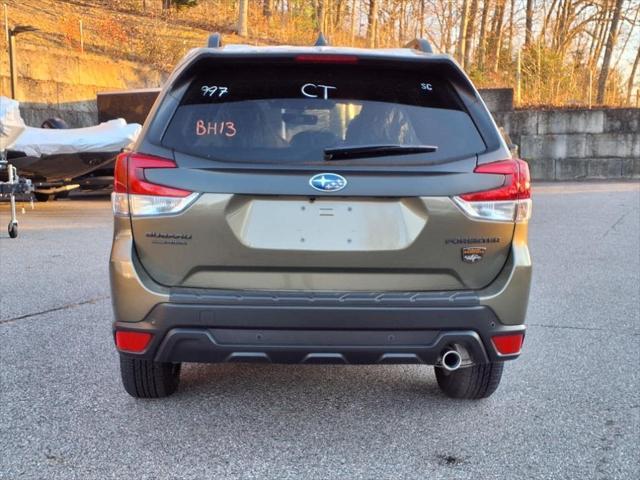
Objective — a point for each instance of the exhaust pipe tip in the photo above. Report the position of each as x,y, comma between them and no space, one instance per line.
451,360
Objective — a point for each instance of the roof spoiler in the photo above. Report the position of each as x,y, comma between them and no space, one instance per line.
215,40
420,44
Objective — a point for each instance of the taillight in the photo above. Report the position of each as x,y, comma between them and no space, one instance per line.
134,194
508,344
509,202
135,342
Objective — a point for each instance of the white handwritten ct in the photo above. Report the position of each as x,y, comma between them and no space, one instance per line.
210,91
309,90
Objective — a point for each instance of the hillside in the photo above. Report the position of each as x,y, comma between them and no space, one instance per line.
111,29
135,43
122,46
122,30
121,49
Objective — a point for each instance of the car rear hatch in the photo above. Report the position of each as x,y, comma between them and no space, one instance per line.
317,172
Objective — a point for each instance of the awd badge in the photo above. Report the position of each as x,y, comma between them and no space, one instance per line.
473,254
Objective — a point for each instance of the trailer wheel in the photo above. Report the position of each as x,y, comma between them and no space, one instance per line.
13,230
44,197
63,194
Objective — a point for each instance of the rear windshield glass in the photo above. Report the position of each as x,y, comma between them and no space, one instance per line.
292,113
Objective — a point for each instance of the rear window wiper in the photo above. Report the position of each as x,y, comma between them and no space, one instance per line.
345,153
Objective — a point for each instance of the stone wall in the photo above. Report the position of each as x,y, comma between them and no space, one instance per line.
576,144
571,144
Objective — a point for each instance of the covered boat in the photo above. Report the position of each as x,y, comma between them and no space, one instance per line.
54,158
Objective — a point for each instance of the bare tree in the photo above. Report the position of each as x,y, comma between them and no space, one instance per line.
339,14
482,41
462,36
608,52
528,29
422,19
321,15
267,8
354,15
243,11
632,76
498,20
600,34
372,24
512,7
473,10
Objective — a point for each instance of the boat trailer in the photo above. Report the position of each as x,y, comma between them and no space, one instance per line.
12,186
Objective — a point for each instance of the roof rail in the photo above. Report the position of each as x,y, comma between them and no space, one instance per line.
420,44
215,40
321,41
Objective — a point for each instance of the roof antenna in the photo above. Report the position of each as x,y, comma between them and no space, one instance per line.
321,41
215,40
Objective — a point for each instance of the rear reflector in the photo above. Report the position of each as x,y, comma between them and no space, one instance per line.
120,204
135,342
508,344
320,58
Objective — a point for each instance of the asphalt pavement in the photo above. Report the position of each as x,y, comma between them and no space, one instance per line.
569,408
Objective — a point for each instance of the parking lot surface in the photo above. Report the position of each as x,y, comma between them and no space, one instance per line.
568,408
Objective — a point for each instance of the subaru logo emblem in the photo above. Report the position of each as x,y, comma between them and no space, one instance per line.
328,182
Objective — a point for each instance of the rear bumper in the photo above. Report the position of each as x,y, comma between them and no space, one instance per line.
198,325
225,326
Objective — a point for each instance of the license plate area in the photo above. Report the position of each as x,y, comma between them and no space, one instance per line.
328,224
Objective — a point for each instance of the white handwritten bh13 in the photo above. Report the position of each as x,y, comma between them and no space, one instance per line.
308,90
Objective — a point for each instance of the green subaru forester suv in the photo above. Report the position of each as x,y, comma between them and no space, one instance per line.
320,205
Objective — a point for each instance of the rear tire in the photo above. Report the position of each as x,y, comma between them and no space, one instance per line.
471,383
149,379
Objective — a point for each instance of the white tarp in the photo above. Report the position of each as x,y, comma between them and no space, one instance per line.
109,136
11,123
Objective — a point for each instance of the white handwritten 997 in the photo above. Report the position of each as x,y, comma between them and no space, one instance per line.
211,90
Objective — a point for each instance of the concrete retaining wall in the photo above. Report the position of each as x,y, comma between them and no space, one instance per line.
576,144
571,144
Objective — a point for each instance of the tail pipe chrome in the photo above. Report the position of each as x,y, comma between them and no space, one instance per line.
451,360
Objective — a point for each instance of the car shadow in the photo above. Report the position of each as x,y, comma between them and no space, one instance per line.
366,382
